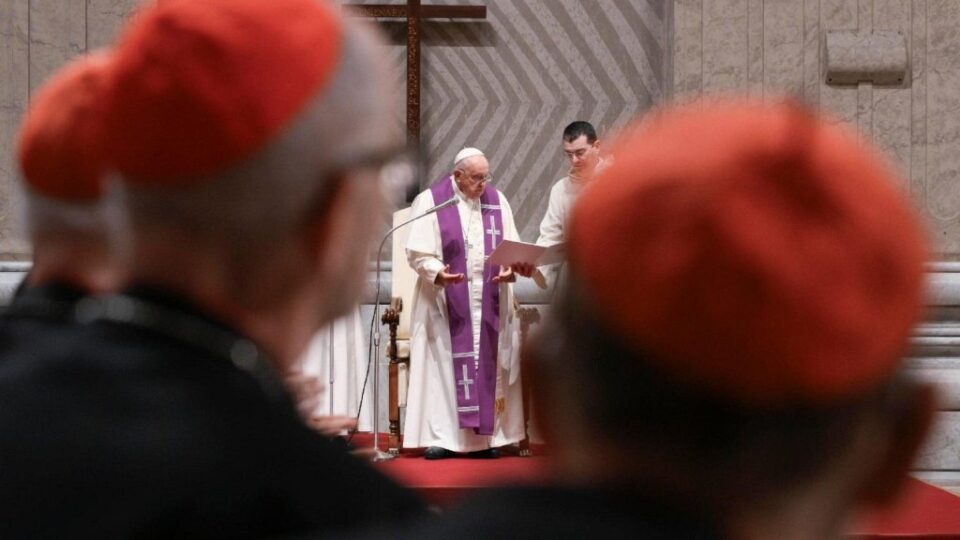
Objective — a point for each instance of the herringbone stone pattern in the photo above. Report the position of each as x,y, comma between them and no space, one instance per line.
510,83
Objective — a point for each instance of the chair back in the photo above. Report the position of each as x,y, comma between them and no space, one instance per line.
403,279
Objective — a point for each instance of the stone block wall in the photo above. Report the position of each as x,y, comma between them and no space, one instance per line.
37,37
768,48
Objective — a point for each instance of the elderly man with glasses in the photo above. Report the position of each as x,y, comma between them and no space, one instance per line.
464,394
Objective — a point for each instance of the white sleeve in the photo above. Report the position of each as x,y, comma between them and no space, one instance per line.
424,251
551,227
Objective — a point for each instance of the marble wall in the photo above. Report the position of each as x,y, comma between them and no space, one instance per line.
769,48
36,38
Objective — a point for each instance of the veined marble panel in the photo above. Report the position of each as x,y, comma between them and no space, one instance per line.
840,102
783,47
942,194
14,96
811,52
942,202
916,124
58,32
918,99
942,449
688,48
105,18
724,42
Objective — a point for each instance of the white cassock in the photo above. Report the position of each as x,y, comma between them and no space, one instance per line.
554,224
431,418
553,227
337,355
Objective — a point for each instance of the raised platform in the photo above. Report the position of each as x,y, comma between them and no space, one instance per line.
923,511
442,483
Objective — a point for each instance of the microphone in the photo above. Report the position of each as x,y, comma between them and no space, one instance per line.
449,202
374,349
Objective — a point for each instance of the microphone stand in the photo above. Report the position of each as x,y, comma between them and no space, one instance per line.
380,455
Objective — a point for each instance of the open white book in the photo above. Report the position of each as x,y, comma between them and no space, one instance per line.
510,252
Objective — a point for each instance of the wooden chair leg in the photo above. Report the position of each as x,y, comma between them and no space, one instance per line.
528,316
391,318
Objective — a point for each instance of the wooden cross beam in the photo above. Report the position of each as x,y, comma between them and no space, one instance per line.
414,12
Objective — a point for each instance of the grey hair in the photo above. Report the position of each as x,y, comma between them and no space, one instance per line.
89,221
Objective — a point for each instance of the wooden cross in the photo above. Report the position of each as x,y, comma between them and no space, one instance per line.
413,12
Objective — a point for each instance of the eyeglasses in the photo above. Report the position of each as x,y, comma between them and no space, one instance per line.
478,178
396,171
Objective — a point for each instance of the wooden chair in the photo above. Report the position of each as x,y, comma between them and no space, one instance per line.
397,318
528,316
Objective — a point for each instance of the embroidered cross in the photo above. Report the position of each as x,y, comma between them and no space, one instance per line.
465,382
493,232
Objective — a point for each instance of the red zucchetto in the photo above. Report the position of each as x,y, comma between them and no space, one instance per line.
59,146
200,85
753,250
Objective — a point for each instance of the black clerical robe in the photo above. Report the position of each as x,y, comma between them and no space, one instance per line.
154,427
551,512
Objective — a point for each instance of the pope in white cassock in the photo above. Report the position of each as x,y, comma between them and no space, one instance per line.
464,393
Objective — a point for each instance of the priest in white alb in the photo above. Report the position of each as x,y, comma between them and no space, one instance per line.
337,359
464,394
581,148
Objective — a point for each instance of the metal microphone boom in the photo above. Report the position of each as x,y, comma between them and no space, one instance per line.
379,455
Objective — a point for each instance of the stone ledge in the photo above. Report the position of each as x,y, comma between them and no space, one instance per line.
948,480
942,372
941,452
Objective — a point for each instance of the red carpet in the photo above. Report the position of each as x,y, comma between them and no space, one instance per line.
924,511
445,481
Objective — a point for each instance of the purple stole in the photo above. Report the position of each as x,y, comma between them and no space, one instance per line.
475,383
